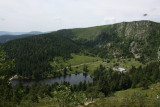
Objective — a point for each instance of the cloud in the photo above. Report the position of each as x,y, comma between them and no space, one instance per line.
51,15
109,20
2,19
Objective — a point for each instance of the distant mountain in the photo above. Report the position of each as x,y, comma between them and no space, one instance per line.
34,32
19,33
11,33
7,36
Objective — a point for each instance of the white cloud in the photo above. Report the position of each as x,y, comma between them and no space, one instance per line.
49,15
109,20
2,19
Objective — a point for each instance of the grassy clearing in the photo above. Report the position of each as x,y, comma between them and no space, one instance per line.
131,98
91,67
78,61
124,63
89,33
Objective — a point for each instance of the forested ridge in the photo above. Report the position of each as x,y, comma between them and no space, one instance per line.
32,54
31,57
138,39
106,82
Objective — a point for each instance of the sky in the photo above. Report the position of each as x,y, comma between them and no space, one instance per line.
52,15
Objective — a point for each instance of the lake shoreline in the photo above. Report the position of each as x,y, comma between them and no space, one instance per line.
72,79
16,77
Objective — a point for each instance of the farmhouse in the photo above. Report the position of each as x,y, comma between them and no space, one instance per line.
117,68
121,69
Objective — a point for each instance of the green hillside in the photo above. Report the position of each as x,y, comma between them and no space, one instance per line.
133,88
83,33
136,97
33,54
75,60
129,98
138,40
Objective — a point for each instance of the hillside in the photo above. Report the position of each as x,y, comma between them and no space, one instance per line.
138,88
32,54
139,40
131,45
136,97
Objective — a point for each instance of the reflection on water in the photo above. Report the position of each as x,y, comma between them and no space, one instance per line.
72,79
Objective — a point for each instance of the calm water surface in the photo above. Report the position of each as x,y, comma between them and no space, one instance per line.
72,79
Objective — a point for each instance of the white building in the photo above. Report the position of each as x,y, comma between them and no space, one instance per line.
121,69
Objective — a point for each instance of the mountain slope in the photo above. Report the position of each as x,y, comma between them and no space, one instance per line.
32,54
139,39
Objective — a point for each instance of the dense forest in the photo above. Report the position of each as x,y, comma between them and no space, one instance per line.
32,54
106,81
31,58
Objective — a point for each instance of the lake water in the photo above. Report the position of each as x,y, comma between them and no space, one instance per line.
72,79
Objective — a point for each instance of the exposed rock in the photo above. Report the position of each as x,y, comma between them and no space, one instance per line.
137,29
159,52
109,45
133,49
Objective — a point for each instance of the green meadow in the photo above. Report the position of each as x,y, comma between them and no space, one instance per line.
77,62
136,97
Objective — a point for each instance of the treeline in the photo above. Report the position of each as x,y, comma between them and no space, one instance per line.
109,81
33,54
106,81
60,94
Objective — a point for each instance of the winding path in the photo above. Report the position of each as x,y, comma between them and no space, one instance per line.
74,66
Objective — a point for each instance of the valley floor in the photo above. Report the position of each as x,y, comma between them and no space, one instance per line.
78,61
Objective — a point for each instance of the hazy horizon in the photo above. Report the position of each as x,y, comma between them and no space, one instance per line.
74,27
52,15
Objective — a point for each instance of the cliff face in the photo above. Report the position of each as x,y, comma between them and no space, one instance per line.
158,53
138,33
144,37
138,30
138,39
